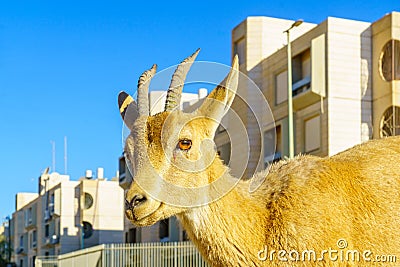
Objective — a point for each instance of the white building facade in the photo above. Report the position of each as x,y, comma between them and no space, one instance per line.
65,216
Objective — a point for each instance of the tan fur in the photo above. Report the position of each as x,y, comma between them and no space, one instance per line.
309,203
305,203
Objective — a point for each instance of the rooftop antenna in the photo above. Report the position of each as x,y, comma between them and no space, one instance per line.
65,156
53,145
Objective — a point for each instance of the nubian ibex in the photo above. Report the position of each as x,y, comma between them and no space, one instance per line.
342,210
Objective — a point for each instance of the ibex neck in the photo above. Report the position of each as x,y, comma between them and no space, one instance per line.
221,229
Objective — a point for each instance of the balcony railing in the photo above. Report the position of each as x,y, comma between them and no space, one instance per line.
301,86
20,250
30,223
51,240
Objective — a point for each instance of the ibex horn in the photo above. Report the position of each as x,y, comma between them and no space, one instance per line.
178,79
143,90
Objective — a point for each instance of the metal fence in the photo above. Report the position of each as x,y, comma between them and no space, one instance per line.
177,254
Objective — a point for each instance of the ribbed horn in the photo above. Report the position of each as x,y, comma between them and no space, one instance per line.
178,79
143,90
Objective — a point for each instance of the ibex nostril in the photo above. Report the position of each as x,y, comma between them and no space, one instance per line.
137,200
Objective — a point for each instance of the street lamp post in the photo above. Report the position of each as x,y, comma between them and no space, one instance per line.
289,85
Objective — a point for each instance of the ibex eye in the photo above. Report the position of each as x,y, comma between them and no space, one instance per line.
185,144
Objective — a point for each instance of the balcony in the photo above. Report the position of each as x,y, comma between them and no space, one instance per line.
301,86
20,251
47,215
50,241
304,94
54,239
310,87
30,217
53,211
30,224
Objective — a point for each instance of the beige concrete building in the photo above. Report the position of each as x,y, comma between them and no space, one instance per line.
345,84
66,215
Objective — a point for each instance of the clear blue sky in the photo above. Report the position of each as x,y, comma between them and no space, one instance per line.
62,64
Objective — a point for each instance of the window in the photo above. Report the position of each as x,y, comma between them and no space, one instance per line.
122,166
281,89
88,201
52,199
306,63
21,241
34,237
224,153
185,236
164,230
301,72
390,122
30,215
87,229
46,230
131,235
272,145
312,134
389,62
239,49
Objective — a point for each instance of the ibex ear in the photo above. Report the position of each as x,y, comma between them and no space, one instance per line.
128,109
218,102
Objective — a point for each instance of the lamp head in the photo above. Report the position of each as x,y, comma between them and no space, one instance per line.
297,23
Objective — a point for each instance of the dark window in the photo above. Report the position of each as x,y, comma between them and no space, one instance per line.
132,235
224,153
122,166
164,229
185,236
87,229
46,230
272,145
301,72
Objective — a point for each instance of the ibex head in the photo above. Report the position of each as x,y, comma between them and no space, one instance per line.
172,154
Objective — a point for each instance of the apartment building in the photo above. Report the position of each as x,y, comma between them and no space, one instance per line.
169,229
345,77
65,216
